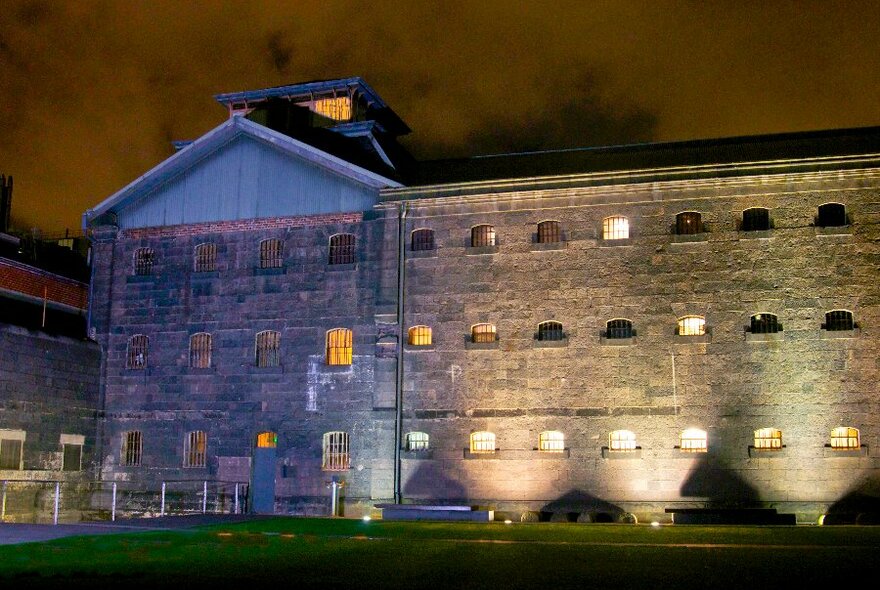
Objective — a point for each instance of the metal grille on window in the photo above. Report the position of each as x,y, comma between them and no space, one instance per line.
764,323
832,215
206,258
622,440
549,232
194,449
270,253
10,454
132,443
342,249
550,331
419,336
136,353
416,441
691,325
619,328
483,442
335,456
615,227
694,441
482,235
143,261
267,440
551,441
839,319
422,239
845,437
482,333
200,351
688,222
768,439
339,346
268,345
756,219
71,457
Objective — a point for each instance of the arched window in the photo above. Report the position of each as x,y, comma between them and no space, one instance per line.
335,455
416,441
619,328
688,223
342,249
419,336
764,323
271,253
267,345
482,442
615,227
622,440
483,333
691,325
267,440
838,319
551,441
756,219
132,447
143,261
694,440
832,215
194,449
482,235
200,350
136,353
205,259
550,331
339,346
768,439
549,232
845,438
422,239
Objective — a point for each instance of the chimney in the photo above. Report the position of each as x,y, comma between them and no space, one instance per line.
5,202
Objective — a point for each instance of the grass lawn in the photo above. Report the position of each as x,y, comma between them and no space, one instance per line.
339,553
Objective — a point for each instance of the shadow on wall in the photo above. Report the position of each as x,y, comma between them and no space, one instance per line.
722,487
579,506
861,505
430,482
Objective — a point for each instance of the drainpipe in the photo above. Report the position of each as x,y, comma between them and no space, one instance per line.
398,402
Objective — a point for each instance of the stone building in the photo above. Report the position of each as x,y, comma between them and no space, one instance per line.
291,300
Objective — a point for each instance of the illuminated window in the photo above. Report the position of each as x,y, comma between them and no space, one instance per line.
619,328
768,439
335,456
688,223
482,442
694,440
419,336
268,344
416,441
844,438
622,440
483,333
838,319
756,219
337,108
551,441
71,456
11,449
691,325
339,346
206,258
341,249
550,331
832,215
143,261
549,232
764,323
482,235
271,253
132,447
615,227
194,447
136,352
200,351
267,440
422,239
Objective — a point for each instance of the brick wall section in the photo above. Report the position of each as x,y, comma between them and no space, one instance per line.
34,282
266,223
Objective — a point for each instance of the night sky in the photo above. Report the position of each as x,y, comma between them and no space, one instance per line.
93,92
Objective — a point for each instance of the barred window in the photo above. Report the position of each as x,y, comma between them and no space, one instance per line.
339,346
206,258
482,442
756,219
482,235
550,330
136,352
832,215
341,249
845,437
416,441
143,261
483,333
419,336
764,323
337,108
691,325
688,223
549,232
11,449
335,456
619,328
622,440
615,227
194,449
132,448
267,440
267,347
271,253
71,457
200,350
768,439
694,440
422,239
551,441
838,319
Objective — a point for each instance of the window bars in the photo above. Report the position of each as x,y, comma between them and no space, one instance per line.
143,261
194,449
832,215
335,456
205,258
691,325
764,323
615,227
270,253
422,239
417,441
483,333
200,351
551,441
267,348
622,440
839,319
694,440
482,442
550,330
419,336
339,346
136,352
342,249
549,232
688,223
768,439
845,438
482,235
132,446
756,219
619,329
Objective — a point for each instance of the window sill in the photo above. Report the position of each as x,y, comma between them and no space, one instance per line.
766,337
633,454
422,253
254,370
563,454
756,453
757,234
701,339
341,267
205,275
202,371
266,272
336,368
517,454
479,250
562,343
418,347
834,230
836,334
468,454
548,246
690,238
684,454
828,452
417,455
617,341
140,279
481,345
606,243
